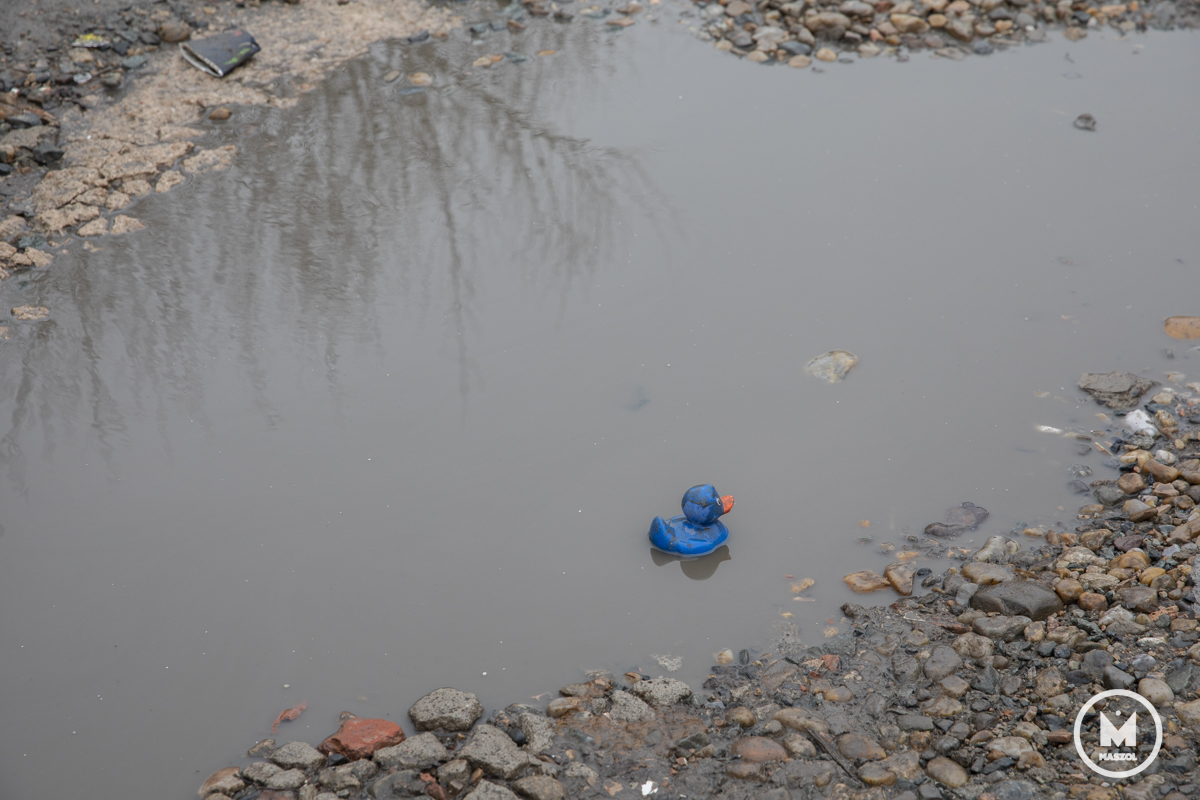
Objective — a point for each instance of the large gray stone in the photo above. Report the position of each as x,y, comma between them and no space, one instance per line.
915,722
1139,598
627,708
1179,677
297,755
1117,679
1115,389
491,750
446,709
661,691
539,732
490,791
942,661
417,752
1018,598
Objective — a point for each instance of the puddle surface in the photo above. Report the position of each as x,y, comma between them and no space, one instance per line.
390,405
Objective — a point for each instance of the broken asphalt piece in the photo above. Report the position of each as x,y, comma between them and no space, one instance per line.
1085,122
219,55
832,366
958,520
1119,390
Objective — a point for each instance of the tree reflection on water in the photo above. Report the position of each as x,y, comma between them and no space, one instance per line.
366,188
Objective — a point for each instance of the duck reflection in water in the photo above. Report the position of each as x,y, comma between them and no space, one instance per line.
698,569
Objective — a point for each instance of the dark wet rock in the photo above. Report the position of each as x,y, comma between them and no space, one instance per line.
1095,661
966,515
47,153
1126,543
1119,390
915,722
905,668
1109,494
446,709
852,611
987,680
1180,675
1114,678
1139,598
942,661
1018,598
404,783
491,750
25,119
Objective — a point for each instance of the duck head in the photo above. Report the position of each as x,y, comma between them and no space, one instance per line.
702,505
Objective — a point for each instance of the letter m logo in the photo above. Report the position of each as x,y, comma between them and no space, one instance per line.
1125,736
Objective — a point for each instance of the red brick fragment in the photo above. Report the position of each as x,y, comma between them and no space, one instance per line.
360,738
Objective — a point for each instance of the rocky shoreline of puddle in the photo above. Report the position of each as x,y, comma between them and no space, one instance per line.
966,686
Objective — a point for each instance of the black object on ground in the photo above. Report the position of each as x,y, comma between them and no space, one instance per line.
221,54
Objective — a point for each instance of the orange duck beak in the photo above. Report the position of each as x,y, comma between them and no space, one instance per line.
727,503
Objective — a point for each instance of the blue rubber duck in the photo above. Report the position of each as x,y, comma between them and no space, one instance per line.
697,532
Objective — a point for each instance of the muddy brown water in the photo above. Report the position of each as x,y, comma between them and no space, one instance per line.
390,405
